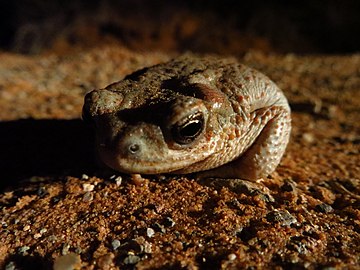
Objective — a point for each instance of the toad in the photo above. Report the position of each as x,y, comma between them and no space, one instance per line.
192,114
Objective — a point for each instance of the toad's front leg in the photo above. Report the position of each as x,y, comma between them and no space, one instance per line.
268,134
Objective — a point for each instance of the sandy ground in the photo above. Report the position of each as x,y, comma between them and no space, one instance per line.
58,208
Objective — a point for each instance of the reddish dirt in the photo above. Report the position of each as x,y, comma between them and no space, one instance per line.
306,215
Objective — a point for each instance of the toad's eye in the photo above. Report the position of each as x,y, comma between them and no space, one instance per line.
188,129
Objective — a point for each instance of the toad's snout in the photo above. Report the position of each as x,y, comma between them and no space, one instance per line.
100,102
136,147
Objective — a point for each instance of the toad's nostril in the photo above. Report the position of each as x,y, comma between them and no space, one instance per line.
134,148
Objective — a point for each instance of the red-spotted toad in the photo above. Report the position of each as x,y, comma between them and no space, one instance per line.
191,114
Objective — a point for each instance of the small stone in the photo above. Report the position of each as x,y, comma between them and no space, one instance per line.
88,196
118,180
115,244
10,266
23,250
333,111
55,199
26,228
85,177
137,179
150,232
52,239
65,249
132,259
324,208
317,105
243,186
231,256
281,216
308,137
298,246
78,250
147,247
41,192
88,187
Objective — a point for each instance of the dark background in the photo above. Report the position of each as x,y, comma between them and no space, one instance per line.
32,26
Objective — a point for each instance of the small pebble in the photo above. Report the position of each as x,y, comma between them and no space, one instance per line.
281,216
55,199
78,250
115,244
308,137
88,187
137,179
132,259
231,256
88,196
23,250
150,232
324,208
118,180
297,246
333,111
26,228
65,249
41,192
85,177
10,266
147,247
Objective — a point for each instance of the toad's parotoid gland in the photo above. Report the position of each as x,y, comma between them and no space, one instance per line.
189,115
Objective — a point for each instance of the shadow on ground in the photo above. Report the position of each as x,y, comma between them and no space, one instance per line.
43,147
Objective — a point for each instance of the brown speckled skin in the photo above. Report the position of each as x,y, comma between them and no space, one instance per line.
246,119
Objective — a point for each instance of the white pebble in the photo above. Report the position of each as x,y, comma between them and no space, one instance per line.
150,232
88,187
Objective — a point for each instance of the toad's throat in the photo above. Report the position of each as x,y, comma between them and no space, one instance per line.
148,165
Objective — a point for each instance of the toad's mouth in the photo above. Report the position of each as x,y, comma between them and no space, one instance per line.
153,162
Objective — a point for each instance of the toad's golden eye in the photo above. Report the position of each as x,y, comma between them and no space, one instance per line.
188,129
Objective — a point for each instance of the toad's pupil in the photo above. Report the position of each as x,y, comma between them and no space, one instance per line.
191,129
134,148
